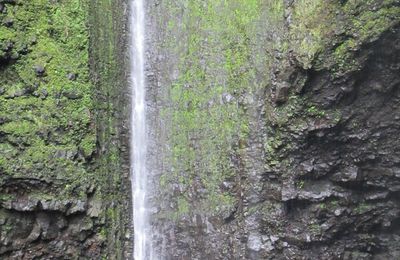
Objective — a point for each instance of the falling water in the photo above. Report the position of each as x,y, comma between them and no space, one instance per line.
138,128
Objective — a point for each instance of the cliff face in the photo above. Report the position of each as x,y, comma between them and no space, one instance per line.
278,125
273,129
59,161
339,176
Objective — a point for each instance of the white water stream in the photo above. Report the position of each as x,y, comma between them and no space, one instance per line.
138,131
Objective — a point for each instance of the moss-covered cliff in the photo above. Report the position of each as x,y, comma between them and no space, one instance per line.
275,123
60,159
273,128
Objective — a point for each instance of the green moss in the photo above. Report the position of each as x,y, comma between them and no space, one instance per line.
317,26
103,234
47,121
315,228
316,112
333,204
300,184
6,197
313,20
18,128
88,145
183,206
368,22
207,112
371,24
362,208
44,124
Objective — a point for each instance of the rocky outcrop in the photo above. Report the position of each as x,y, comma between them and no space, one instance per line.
340,186
339,151
43,225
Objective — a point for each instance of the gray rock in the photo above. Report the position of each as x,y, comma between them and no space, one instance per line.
39,70
377,195
349,174
72,76
77,207
24,204
34,235
44,93
54,205
316,192
61,222
254,242
8,22
95,208
282,92
72,94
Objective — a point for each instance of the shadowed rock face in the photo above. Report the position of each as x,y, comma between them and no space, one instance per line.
341,187
47,226
37,222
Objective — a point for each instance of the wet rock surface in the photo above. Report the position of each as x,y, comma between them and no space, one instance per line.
315,174
274,127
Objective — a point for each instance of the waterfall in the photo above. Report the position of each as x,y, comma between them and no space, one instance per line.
138,131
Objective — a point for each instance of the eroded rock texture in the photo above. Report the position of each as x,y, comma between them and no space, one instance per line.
37,223
340,172
340,187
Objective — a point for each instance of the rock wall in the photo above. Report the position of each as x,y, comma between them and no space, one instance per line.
277,125
339,185
61,195
273,124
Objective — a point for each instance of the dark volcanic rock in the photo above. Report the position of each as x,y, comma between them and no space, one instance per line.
72,94
342,197
282,93
8,22
39,70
